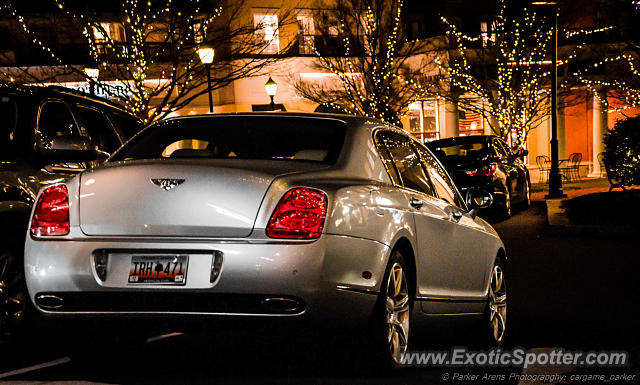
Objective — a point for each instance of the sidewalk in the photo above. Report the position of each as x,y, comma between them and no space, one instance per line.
557,218
584,187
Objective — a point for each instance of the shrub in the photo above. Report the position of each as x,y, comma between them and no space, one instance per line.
622,151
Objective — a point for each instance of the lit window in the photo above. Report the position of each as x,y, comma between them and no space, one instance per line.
109,34
423,120
267,33
109,31
487,33
156,33
306,32
199,32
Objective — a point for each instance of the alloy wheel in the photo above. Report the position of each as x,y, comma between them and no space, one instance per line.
397,310
498,304
12,303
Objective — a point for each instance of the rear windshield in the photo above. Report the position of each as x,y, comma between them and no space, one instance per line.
459,151
128,125
239,137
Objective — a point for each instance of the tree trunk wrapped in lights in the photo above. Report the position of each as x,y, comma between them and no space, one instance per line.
502,74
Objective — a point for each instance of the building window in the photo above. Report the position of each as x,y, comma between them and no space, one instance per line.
199,33
109,34
423,120
156,33
487,34
109,31
306,32
265,21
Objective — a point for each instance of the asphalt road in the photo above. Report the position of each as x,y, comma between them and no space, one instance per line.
574,292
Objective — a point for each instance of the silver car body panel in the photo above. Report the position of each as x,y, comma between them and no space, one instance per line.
367,217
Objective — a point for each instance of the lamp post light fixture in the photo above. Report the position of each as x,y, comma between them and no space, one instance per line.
206,57
271,87
92,74
555,178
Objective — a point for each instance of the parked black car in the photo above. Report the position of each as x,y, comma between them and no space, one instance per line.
486,162
38,127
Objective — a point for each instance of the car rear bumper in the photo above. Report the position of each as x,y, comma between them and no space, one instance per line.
313,280
493,186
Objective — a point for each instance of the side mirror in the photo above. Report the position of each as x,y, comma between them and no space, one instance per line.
72,149
478,199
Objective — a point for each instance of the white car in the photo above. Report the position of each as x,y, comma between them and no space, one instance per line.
309,216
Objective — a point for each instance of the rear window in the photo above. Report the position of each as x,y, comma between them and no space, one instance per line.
459,151
239,137
128,125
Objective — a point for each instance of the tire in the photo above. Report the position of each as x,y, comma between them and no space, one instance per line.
391,318
14,301
505,211
495,317
526,202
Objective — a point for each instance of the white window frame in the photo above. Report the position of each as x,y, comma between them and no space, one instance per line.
306,31
265,22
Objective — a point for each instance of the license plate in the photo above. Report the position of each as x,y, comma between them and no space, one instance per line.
169,269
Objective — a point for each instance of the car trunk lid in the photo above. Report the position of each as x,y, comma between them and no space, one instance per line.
217,198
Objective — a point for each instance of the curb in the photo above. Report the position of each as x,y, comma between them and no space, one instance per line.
558,223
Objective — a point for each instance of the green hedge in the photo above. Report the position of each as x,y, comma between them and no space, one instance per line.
622,151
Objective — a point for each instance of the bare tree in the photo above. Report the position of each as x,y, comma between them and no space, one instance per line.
147,52
377,71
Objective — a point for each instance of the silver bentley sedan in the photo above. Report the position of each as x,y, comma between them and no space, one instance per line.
279,215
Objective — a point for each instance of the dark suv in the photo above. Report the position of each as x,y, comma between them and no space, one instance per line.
46,134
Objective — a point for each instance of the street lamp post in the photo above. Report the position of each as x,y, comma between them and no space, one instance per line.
206,57
92,74
271,87
555,178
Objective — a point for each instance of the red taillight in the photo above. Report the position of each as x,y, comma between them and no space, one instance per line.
488,170
300,214
51,216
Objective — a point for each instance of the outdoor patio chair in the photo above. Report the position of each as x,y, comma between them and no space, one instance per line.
573,168
543,163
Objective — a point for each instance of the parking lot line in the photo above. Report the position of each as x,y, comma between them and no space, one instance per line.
45,365
163,336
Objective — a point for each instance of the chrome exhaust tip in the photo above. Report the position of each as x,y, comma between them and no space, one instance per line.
49,301
282,305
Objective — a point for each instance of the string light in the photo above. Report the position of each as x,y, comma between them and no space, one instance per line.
623,87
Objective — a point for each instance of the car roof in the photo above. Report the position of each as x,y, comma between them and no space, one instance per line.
461,139
59,91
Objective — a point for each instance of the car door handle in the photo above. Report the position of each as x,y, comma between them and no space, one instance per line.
416,203
455,215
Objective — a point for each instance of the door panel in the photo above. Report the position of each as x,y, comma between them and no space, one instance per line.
460,269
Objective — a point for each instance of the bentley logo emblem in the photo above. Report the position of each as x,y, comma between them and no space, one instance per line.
167,184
